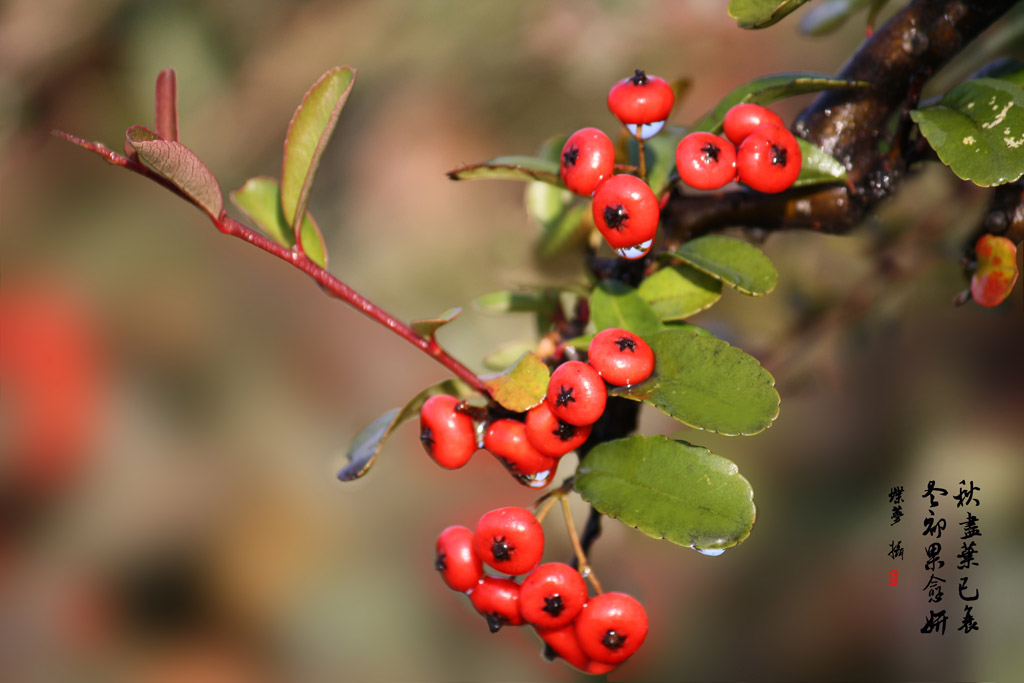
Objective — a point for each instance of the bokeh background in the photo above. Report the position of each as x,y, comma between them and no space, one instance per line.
175,404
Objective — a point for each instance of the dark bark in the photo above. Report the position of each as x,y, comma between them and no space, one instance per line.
852,126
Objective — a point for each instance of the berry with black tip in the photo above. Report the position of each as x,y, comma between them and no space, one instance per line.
769,159
456,559
588,158
642,102
706,161
620,357
551,436
497,600
508,440
510,539
611,627
448,436
576,393
552,595
626,211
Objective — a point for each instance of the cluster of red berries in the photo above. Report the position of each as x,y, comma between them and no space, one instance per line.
757,150
625,209
592,634
561,423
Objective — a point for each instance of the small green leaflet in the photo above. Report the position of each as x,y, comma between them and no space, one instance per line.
734,262
522,386
761,13
977,129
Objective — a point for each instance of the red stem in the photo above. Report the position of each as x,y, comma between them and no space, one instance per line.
297,258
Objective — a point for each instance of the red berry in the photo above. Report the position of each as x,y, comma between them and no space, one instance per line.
993,279
507,440
620,357
551,436
448,436
768,160
564,643
611,627
498,600
626,211
706,161
588,157
642,99
455,557
741,120
552,595
576,393
510,539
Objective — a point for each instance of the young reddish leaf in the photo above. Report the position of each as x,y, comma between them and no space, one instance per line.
997,272
178,164
427,327
367,444
308,132
260,200
522,386
167,105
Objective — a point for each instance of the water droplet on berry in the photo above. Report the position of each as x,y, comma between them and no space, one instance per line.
636,251
535,481
647,130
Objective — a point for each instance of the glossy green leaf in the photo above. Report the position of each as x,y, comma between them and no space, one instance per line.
308,132
817,167
669,489
615,304
677,292
428,327
768,89
517,302
734,262
178,164
761,13
260,199
522,386
511,168
977,129
705,383
367,444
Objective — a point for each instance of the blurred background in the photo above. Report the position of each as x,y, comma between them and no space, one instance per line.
175,404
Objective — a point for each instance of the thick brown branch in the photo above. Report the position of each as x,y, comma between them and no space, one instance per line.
853,126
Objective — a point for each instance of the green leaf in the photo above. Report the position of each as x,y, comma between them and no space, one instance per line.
734,262
308,132
511,168
977,129
615,304
427,327
517,302
761,13
669,489
677,292
522,386
178,164
817,167
768,89
366,445
561,213
260,200
707,384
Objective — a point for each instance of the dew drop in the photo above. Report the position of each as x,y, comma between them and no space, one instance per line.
535,481
647,130
710,552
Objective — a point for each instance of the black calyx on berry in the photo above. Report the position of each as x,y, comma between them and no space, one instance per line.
553,604
615,216
613,640
501,550
639,77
